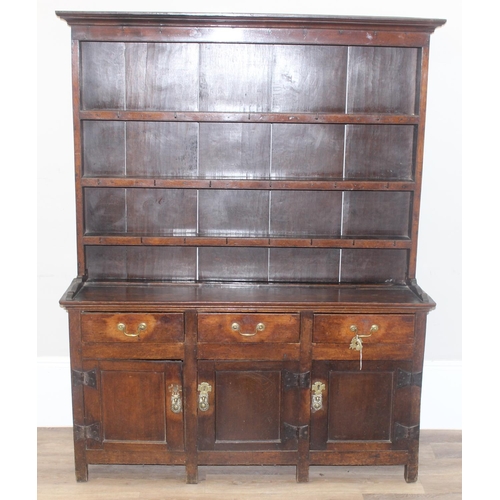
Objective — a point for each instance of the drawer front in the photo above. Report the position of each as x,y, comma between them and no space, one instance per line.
224,328
341,328
132,327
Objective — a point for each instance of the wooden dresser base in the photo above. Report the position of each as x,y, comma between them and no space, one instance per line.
201,383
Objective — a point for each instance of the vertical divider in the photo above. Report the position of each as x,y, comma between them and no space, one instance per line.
306,327
344,158
270,200
77,138
189,384
197,264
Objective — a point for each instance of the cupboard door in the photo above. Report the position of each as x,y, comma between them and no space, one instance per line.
135,404
358,409
247,406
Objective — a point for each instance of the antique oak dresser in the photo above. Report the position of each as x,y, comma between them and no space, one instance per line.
247,199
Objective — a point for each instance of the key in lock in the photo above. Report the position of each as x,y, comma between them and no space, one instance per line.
357,342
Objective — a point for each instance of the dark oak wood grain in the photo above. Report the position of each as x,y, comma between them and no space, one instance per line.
247,206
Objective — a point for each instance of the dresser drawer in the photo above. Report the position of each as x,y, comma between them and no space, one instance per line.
383,328
224,328
132,327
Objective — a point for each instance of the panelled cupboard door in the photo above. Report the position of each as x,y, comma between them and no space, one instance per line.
359,409
247,405
134,405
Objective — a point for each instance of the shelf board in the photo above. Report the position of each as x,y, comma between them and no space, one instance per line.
264,241
246,117
263,184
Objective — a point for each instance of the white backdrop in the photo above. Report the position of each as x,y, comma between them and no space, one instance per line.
438,269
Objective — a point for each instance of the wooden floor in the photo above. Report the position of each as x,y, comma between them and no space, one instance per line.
440,477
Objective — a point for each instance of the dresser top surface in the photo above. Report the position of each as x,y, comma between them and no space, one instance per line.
234,295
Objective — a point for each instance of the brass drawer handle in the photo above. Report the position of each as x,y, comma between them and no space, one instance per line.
356,342
204,388
259,328
123,328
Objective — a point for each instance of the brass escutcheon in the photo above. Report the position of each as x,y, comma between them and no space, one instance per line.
203,403
317,396
175,400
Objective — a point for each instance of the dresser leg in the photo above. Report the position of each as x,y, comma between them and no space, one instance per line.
191,474
411,468
82,474
302,473
411,473
80,451
81,470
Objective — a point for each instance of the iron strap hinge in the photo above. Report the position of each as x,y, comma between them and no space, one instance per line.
292,380
88,378
405,378
92,431
404,432
295,432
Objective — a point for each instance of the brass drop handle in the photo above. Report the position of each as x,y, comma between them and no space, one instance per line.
356,342
204,388
259,328
123,328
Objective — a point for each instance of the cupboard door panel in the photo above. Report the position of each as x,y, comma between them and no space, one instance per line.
250,406
360,406
132,403
144,420
360,409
